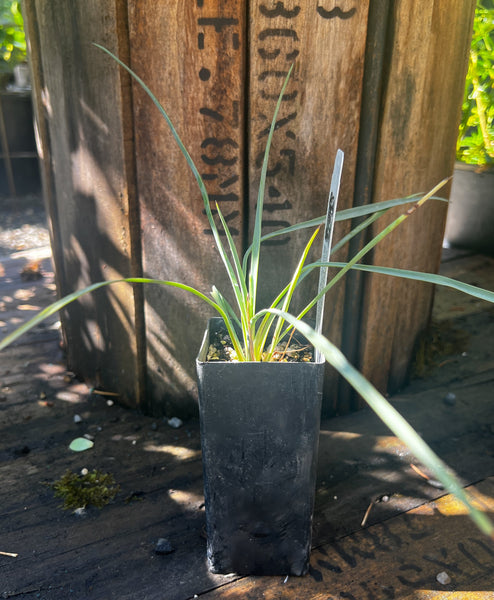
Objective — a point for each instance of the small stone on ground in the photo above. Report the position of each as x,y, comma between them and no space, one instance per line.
163,546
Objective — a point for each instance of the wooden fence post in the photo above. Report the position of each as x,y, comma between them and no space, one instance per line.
422,93
82,106
320,113
198,70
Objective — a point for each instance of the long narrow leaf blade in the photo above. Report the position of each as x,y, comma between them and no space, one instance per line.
368,209
370,245
187,157
442,280
163,112
59,304
256,239
238,282
392,418
344,215
288,296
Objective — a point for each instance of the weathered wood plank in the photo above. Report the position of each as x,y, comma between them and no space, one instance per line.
414,547
319,114
112,552
475,270
366,467
90,202
75,560
196,69
460,595
416,150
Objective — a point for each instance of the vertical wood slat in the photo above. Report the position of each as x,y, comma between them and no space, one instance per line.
88,201
319,114
420,116
196,69
134,213
42,128
377,27
5,154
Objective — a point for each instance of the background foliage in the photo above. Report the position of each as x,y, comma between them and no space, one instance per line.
12,38
475,143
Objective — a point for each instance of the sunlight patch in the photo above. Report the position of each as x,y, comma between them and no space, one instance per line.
176,451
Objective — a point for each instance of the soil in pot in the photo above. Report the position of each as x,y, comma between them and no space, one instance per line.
294,349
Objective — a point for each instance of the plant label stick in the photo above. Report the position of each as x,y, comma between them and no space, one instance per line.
328,233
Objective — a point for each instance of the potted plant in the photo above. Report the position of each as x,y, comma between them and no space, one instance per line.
13,59
470,222
259,437
259,411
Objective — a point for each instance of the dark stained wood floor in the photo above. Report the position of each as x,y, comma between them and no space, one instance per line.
400,552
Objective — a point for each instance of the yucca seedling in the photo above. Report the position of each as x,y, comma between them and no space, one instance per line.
255,332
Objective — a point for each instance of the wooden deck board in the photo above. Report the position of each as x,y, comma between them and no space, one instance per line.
390,559
110,553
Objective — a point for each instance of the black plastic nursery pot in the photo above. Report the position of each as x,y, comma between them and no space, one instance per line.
260,426
470,222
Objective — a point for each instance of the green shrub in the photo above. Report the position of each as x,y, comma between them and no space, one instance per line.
12,38
475,144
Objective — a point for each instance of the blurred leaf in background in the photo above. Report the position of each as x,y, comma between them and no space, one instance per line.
475,143
12,38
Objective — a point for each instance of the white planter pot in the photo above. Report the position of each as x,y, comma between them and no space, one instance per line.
470,222
21,76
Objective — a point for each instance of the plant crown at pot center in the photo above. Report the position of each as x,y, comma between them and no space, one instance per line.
256,326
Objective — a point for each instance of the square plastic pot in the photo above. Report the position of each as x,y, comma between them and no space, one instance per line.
259,434
470,222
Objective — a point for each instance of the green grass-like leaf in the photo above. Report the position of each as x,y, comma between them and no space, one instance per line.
459,286
391,417
256,238
367,248
66,300
346,214
288,297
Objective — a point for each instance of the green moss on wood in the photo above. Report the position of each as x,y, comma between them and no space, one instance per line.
79,491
